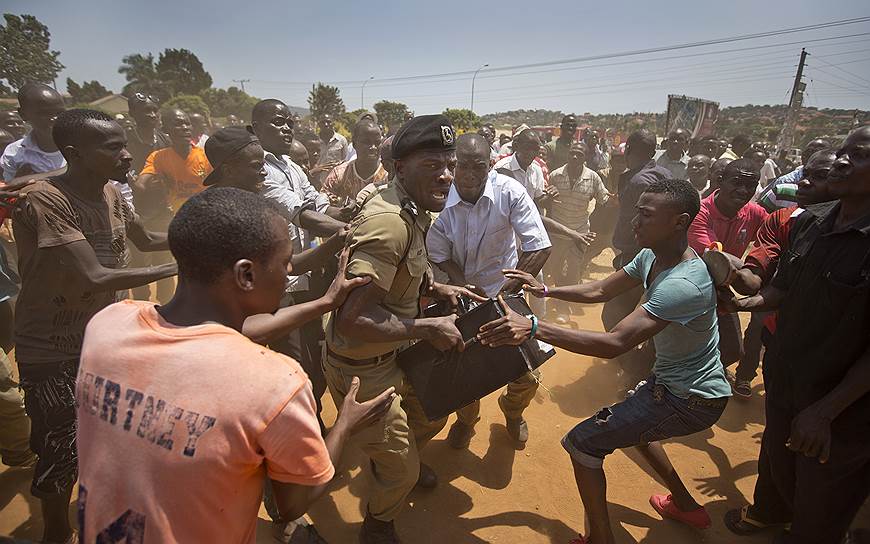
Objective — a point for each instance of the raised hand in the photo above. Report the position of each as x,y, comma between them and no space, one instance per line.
342,286
359,415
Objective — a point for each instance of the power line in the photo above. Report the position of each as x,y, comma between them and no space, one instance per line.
488,73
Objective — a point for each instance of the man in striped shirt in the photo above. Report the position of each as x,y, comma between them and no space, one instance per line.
781,193
577,186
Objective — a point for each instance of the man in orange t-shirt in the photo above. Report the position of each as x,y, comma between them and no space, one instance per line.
181,167
170,176
181,417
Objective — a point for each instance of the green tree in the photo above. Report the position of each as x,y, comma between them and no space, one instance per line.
177,71
391,114
182,72
231,101
462,118
24,53
87,92
325,99
141,76
188,103
348,119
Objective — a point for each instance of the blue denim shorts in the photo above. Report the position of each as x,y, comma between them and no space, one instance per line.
648,414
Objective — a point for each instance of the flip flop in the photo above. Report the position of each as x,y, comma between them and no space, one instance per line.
739,522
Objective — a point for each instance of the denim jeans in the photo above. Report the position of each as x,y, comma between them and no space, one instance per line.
649,414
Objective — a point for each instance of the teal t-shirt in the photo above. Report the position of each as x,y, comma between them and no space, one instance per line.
687,350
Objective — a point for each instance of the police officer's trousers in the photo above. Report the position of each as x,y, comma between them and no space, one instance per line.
393,444
513,401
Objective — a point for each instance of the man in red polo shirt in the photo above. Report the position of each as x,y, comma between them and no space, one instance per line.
729,219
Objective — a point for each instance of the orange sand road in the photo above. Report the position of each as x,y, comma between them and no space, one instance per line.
492,493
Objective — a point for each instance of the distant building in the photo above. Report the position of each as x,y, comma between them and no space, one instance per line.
112,104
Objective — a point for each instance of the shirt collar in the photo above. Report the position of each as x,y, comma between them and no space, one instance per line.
826,222
453,197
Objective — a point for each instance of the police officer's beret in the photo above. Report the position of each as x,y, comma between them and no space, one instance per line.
424,132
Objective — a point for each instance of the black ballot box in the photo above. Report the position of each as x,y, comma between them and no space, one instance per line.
447,381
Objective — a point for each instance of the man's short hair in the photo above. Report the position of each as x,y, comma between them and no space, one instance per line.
739,167
363,123
73,125
526,137
265,107
642,140
680,192
219,226
740,140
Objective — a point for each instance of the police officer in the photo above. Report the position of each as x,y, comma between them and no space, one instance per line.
388,244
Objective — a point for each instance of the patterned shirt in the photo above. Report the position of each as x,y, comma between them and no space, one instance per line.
54,306
344,182
572,207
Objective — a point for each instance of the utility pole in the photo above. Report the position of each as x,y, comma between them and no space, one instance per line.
362,93
786,137
472,84
242,82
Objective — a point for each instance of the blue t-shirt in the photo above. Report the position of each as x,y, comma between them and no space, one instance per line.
687,350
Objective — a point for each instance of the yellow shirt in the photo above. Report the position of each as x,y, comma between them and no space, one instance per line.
387,243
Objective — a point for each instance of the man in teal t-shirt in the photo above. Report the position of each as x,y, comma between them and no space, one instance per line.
687,391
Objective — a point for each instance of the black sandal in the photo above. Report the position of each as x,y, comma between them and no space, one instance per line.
739,522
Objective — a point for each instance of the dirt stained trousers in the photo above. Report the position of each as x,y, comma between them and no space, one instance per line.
393,444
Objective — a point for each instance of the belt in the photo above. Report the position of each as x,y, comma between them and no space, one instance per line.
710,403
360,362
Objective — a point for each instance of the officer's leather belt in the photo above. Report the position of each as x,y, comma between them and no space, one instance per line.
367,361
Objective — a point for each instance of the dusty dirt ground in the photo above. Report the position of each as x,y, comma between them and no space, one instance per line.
492,493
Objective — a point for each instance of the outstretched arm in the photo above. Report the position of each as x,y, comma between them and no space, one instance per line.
83,262
514,329
593,291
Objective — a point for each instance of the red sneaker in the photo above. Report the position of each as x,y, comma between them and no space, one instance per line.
664,505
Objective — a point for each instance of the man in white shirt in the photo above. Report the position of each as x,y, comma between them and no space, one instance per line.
287,185
473,240
35,153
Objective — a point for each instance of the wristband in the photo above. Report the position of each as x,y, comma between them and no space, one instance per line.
546,290
534,320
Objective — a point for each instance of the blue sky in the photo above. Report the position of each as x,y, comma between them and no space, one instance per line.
283,46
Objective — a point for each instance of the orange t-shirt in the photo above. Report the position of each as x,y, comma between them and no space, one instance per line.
183,175
179,426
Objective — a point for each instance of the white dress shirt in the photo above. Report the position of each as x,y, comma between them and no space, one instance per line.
481,238
532,178
288,186
25,152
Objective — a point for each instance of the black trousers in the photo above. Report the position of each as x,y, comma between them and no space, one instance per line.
820,500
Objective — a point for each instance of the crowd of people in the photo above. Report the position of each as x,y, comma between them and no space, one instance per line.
287,261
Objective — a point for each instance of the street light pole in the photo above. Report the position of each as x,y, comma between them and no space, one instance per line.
362,93
472,84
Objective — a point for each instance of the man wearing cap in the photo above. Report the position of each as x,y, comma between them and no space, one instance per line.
387,243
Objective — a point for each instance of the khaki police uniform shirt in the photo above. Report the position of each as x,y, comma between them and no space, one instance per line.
387,243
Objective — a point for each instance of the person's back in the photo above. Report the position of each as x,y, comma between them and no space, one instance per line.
191,428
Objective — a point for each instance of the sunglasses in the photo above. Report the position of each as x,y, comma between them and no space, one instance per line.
142,97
